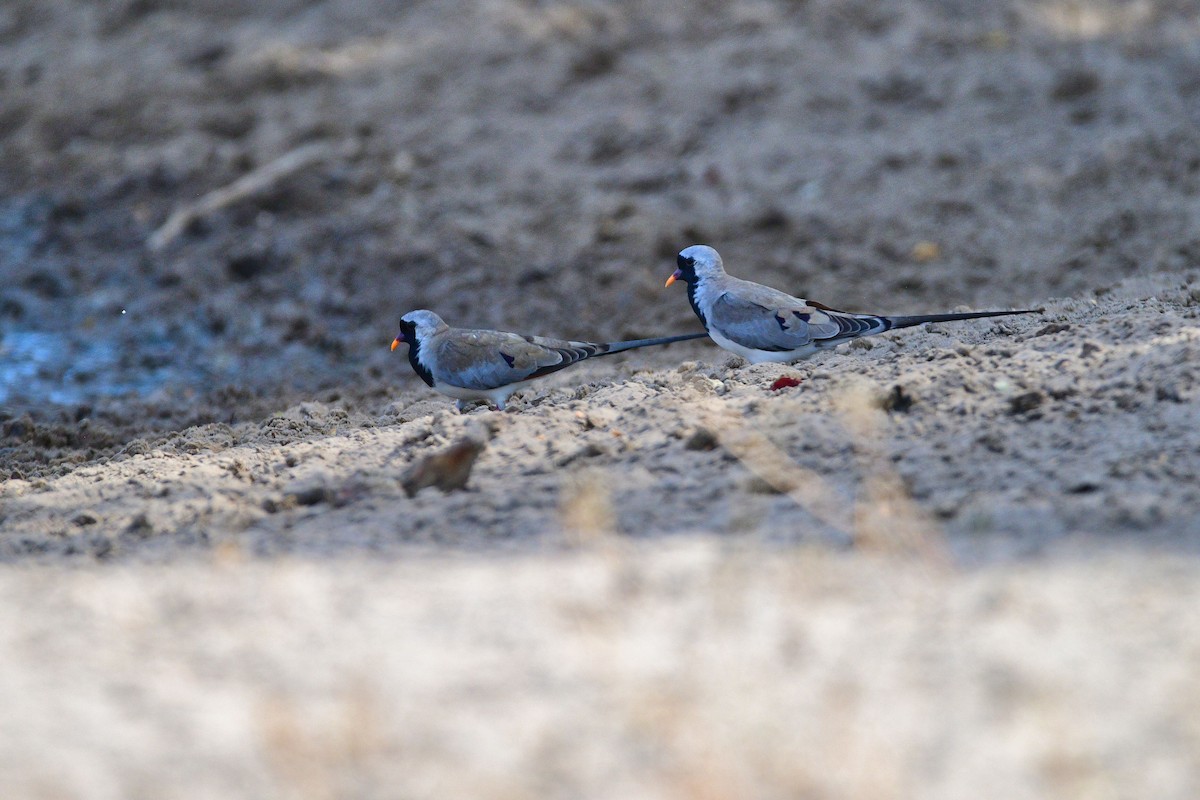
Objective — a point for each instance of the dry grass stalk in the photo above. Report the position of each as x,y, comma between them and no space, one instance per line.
886,518
774,466
249,184
587,511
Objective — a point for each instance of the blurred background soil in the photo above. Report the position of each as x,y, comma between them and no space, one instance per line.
959,556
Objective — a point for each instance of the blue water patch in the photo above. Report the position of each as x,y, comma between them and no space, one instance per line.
22,227
41,367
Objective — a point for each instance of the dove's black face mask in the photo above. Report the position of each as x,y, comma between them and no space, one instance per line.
686,269
408,334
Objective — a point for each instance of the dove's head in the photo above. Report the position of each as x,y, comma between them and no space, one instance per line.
696,263
416,326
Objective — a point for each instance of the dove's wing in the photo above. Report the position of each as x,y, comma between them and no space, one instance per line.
485,360
768,328
763,318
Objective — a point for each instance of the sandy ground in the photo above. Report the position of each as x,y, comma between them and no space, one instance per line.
956,556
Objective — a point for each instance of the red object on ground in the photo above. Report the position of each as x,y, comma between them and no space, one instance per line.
784,382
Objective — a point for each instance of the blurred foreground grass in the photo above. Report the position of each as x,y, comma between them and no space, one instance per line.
685,668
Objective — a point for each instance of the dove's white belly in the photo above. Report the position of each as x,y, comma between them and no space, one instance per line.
461,393
496,397
761,356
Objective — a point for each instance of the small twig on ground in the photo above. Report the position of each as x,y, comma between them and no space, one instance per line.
250,183
775,467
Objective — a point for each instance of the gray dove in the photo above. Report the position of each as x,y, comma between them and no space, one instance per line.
763,324
490,365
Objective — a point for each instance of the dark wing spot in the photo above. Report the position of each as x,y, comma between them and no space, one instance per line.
802,317
510,360
782,322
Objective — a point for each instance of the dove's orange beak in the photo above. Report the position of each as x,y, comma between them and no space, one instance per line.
396,342
676,275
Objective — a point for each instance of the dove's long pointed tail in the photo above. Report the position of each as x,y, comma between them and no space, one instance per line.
633,344
920,319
